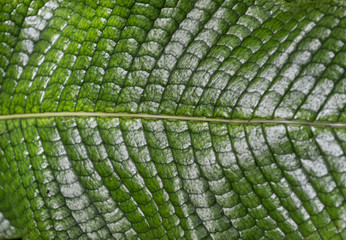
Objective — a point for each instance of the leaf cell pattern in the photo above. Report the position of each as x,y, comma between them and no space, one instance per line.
109,178
227,59
120,178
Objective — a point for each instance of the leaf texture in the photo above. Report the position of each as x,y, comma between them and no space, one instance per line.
94,177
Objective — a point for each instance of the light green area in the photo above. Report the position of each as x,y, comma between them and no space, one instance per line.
172,119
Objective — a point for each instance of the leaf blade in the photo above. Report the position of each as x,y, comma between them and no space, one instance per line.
176,119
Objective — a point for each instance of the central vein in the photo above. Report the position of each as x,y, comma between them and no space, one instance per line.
172,117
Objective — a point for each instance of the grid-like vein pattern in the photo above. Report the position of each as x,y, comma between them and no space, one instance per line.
211,58
111,178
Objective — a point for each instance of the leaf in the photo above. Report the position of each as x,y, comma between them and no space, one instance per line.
172,119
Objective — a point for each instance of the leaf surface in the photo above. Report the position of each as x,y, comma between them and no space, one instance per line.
172,119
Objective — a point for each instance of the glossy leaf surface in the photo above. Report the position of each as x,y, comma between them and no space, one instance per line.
226,119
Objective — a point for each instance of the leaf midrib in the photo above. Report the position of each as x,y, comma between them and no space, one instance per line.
173,117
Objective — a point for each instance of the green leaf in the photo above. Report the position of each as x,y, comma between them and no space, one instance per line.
176,119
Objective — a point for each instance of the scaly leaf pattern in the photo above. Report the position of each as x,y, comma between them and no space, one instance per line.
135,178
